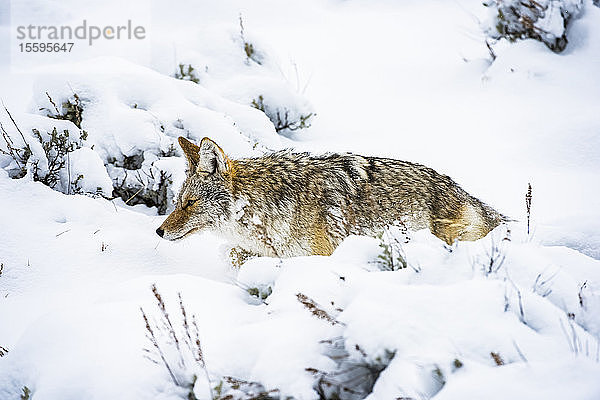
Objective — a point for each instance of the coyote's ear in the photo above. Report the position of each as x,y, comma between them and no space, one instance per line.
212,157
191,151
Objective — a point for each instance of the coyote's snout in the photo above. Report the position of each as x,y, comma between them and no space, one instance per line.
288,204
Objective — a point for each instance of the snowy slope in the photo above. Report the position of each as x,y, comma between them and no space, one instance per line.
513,315
72,296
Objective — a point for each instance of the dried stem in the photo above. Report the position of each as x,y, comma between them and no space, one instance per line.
528,197
154,342
315,310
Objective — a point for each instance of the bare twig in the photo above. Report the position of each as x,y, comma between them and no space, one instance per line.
16,126
135,194
10,146
53,103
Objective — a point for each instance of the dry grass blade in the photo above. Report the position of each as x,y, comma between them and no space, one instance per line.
186,326
53,103
198,354
167,320
315,310
15,124
135,194
152,337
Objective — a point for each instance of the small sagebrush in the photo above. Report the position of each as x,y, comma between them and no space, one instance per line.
282,118
355,373
71,110
230,388
260,293
149,186
392,256
26,395
186,72
544,20
56,146
249,50
46,168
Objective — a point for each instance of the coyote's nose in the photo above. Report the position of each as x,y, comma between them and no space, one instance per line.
160,232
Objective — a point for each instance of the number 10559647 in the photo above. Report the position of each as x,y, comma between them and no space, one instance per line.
45,47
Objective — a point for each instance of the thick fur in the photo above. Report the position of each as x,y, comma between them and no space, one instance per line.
288,204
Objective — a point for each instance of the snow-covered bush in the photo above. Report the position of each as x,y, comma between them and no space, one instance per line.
56,147
251,53
285,120
133,117
230,388
392,255
71,110
355,373
175,345
26,395
543,20
146,178
186,73
53,156
239,66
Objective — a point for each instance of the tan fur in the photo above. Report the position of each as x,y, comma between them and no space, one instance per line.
319,243
286,204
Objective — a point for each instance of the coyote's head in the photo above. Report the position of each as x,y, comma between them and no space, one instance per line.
204,199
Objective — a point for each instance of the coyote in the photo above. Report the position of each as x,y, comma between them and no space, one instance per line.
288,204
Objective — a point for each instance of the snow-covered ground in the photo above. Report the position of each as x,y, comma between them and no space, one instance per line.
513,315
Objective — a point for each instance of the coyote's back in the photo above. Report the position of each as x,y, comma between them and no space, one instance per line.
289,204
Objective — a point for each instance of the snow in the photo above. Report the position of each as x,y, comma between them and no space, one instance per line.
410,80
86,163
538,380
146,99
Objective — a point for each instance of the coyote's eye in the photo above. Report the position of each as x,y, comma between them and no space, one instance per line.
189,203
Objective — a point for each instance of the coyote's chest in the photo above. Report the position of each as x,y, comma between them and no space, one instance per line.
259,232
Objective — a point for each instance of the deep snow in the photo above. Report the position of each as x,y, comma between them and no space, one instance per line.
410,80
